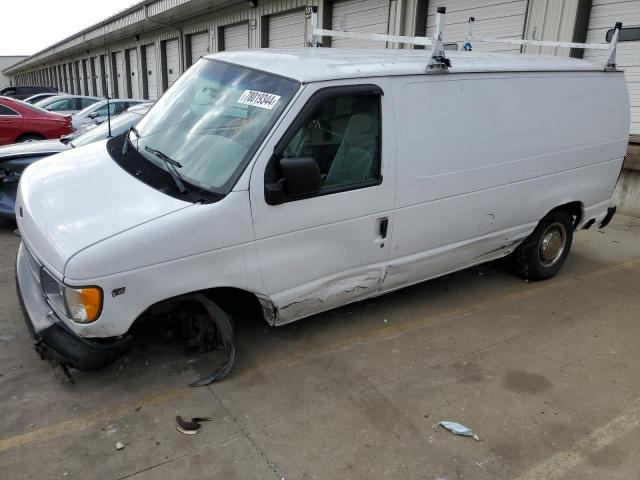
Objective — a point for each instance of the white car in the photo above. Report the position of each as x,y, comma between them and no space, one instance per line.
296,181
98,112
66,104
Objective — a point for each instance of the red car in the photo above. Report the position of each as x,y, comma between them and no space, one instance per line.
20,121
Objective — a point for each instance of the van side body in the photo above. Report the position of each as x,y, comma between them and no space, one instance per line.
483,157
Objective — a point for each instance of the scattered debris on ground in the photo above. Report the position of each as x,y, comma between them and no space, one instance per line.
458,429
190,427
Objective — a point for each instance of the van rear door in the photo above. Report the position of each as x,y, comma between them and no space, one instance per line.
331,247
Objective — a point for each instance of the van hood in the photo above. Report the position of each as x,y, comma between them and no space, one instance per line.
71,201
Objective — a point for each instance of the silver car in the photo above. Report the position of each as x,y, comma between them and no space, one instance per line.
67,104
97,113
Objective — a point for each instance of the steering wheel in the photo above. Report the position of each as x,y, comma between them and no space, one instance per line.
235,126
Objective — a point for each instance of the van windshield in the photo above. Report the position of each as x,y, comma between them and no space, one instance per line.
211,121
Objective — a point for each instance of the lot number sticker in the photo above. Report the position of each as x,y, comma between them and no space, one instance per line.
259,99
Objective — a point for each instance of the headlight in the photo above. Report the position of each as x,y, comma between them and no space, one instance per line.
83,305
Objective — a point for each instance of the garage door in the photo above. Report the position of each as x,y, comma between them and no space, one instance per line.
364,16
93,75
151,72
494,18
604,15
119,73
199,46
70,79
77,74
85,77
287,30
132,73
61,79
172,70
103,75
236,37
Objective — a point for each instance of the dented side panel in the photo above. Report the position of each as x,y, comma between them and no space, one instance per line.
322,252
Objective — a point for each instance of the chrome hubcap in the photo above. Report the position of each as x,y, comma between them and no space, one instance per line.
552,244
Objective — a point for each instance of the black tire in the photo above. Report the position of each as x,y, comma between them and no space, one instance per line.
543,253
29,136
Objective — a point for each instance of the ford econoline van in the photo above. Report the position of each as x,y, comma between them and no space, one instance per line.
302,180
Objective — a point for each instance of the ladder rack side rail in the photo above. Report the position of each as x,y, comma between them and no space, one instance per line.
380,37
543,43
375,37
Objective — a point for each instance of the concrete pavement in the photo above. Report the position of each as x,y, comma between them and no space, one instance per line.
547,374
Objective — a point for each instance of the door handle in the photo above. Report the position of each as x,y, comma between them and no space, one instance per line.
383,227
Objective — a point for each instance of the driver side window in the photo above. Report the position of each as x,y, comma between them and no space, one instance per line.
102,111
342,135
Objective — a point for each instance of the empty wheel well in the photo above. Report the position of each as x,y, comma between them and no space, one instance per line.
237,303
574,209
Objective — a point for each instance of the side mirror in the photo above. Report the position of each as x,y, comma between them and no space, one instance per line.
300,178
93,115
627,34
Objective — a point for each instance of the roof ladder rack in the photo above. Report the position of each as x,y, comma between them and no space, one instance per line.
610,65
438,62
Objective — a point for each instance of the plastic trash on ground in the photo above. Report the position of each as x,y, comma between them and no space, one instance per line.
458,429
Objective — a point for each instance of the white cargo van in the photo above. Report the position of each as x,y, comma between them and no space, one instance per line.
302,180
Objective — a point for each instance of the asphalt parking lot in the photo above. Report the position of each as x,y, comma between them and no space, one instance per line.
547,374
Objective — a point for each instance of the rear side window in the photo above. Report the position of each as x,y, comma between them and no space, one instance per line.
7,111
61,105
342,134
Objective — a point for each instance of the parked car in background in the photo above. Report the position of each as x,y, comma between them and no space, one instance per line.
15,158
25,91
67,104
21,121
40,96
97,113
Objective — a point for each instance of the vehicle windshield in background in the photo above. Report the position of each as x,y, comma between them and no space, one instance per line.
119,124
212,121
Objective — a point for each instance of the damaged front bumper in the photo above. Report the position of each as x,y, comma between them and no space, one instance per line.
53,340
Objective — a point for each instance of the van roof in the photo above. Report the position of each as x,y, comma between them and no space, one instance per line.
318,64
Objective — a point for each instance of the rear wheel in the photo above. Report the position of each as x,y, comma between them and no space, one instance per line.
543,252
29,136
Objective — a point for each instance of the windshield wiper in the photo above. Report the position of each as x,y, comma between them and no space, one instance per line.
171,167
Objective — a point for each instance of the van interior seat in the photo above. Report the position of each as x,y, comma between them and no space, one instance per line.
354,159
